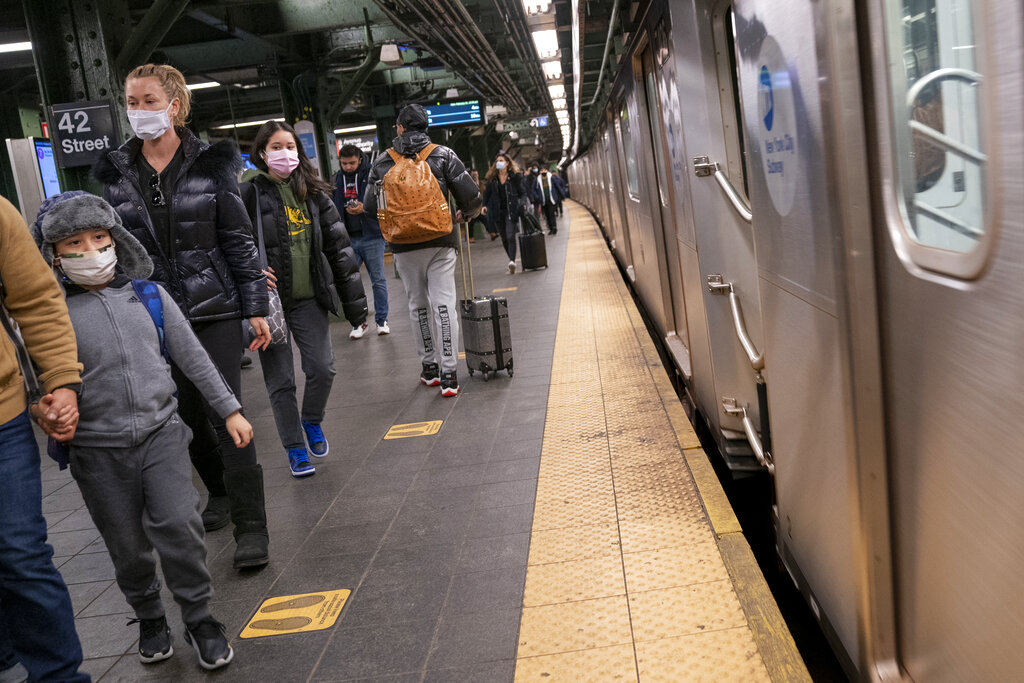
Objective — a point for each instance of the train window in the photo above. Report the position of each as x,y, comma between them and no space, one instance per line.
632,172
939,141
724,31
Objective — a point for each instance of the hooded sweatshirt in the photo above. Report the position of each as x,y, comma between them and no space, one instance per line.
127,389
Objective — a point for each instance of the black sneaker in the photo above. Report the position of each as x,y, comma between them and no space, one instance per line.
449,384
154,639
207,638
430,375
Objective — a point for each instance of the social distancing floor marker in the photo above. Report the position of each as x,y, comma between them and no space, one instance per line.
296,614
505,289
414,429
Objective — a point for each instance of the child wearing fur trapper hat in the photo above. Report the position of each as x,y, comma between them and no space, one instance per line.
129,453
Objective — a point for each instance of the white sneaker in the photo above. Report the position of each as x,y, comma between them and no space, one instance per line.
383,328
511,267
357,332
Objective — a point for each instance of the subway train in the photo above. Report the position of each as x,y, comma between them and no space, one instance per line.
819,206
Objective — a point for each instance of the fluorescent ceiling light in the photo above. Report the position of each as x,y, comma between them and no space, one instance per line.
546,42
356,129
556,90
562,115
15,47
552,70
559,103
202,86
246,124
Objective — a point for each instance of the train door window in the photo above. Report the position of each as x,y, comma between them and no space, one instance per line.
723,22
936,99
632,172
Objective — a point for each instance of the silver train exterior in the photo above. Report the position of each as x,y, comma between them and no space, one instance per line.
820,206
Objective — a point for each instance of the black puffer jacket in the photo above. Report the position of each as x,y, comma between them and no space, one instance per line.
492,199
451,175
214,272
334,268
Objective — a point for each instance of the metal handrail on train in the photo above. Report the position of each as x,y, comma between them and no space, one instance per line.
703,166
763,457
718,285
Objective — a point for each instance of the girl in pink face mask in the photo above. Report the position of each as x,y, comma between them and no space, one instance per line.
310,263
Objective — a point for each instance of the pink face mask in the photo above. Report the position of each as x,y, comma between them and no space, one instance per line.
282,161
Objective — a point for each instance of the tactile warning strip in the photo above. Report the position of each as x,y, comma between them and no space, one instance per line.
626,577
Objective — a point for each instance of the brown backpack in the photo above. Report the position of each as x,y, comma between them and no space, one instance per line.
411,208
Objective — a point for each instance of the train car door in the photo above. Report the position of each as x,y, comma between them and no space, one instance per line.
950,159
654,59
725,244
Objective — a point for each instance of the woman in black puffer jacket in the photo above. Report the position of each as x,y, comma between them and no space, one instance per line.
311,264
179,197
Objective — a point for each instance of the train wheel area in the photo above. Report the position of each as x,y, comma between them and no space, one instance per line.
557,524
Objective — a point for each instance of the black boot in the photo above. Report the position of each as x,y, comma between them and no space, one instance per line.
210,467
245,489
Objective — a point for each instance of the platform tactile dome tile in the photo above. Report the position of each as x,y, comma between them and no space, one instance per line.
575,543
624,567
594,577
727,656
614,664
572,626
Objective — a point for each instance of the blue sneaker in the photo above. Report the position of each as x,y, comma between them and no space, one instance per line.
299,462
315,439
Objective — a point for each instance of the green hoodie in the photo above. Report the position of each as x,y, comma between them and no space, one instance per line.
301,242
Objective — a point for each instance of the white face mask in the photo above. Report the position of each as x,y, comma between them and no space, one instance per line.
149,125
282,161
500,165
90,267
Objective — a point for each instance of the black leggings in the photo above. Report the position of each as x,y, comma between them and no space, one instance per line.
210,439
507,230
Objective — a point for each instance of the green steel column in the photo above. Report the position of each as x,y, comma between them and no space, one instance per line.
74,45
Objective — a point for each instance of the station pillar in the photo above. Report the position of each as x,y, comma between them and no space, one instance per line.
74,45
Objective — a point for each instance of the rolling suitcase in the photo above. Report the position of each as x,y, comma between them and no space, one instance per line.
532,248
486,334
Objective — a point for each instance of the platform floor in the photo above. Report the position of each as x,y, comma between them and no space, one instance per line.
560,525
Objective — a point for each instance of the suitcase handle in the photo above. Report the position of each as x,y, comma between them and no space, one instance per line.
470,289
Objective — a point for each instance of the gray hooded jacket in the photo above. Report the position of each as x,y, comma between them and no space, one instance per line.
127,390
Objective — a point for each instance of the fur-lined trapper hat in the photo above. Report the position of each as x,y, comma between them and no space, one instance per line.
72,212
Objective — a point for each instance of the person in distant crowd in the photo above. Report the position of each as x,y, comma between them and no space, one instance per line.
530,181
427,268
37,624
503,203
563,190
478,225
179,197
129,454
311,264
363,231
547,195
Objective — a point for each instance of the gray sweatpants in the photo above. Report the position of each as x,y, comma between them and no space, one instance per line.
308,327
429,279
140,498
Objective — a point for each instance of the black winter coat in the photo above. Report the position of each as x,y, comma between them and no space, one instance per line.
492,199
335,269
451,175
361,224
214,272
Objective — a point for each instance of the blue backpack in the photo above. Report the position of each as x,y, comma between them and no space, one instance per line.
149,295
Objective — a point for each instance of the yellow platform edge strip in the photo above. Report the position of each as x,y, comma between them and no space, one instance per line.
771,634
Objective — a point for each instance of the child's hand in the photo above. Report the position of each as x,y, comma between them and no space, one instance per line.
57,414
239,429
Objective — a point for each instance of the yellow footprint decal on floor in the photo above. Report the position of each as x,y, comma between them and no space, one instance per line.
286,624
294,603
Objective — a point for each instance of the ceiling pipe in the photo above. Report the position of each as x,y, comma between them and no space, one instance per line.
145,37
359,79
607,49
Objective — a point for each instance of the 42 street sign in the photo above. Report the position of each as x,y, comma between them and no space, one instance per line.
83,131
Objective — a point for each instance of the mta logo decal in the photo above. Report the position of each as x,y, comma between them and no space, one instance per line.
767,99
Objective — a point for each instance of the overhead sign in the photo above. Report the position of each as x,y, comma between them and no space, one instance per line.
520,124
539,122
83,131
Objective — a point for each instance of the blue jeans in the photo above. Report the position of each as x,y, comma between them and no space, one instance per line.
370,250
34,603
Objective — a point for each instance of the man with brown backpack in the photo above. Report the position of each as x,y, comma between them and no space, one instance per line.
408,190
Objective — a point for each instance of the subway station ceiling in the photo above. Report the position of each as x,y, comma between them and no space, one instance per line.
355,61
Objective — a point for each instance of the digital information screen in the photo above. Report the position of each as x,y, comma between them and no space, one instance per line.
455,113
47,168
246,164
